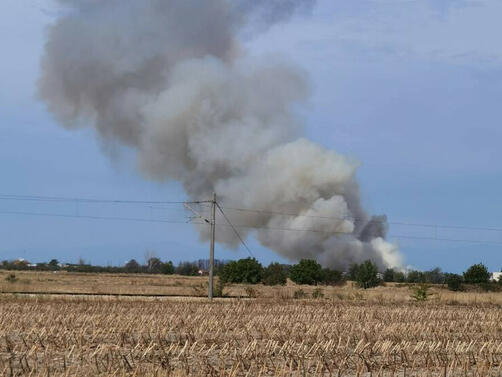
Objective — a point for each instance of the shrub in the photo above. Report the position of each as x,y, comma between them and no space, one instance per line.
307,271
454,282
274,274
317,293
476,274
366,276
251,292
248,271
11,278
299,294
218,290
420,292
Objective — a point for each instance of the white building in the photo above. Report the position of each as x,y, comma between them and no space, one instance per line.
496,276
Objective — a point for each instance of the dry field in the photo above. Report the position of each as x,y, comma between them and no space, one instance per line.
98,336
174,285
348,332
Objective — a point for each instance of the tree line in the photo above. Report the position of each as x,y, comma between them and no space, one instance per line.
306,271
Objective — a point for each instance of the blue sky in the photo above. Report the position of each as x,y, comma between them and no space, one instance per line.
409,88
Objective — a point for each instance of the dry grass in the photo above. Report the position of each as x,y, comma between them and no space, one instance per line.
174,285
183,337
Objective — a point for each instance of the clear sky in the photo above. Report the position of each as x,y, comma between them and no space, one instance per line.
410,88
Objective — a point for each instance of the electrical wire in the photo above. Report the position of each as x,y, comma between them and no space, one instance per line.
235,230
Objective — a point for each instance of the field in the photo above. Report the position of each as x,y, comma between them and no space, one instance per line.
348,332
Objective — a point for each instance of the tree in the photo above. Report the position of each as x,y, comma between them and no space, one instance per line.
248,271
54,264
388,275
415,277
476,274
367,275
434,276
454,282
331,277
307,271
154,265
353,270
132,266
168,268
187,269
274,274
399,277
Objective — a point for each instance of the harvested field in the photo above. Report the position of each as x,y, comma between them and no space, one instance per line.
184,337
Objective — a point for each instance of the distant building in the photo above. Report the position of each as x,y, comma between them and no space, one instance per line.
496,276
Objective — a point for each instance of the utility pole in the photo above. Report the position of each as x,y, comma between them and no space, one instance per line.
211,248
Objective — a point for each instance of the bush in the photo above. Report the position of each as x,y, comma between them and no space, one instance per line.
454,282
274,274
317,293
366,276
248,271
218,290
299,294
251,292
420,292
476,274
307,271
11,278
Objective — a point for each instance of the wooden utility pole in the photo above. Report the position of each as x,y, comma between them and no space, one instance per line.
211,248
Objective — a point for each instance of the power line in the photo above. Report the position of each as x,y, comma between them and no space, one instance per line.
88,200
134,219
145,220
494,229
235,230
38,198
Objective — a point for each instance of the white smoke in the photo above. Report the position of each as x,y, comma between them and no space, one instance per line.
171,80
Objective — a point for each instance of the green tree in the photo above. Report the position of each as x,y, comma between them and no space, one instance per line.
248,271
307,271
399,277
367,275
187,269
168,268
132,266
388,275
274,274
414,276
434,276
331,277
353,270
476,274
454,282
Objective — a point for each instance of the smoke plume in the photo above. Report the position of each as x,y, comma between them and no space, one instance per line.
171,80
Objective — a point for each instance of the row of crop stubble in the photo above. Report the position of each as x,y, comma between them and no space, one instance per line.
88,337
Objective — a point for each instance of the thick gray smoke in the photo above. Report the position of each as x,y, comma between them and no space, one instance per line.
171,80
